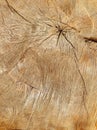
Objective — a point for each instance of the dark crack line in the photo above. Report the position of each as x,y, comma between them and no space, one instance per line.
67,25
48,24
46,39
58,37
81,75
90,39
84,84
14,10
68,40
32,87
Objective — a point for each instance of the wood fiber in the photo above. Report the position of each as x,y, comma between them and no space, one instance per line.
48,65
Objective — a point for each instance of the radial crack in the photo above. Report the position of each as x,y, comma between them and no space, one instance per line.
68,40
82,78
14,10
46,39
84,84
58,37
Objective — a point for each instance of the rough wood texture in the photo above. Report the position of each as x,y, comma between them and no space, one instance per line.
48,64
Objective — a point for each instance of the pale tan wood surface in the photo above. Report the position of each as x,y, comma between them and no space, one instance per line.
48,65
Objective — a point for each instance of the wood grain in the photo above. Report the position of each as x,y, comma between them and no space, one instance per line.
48,65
